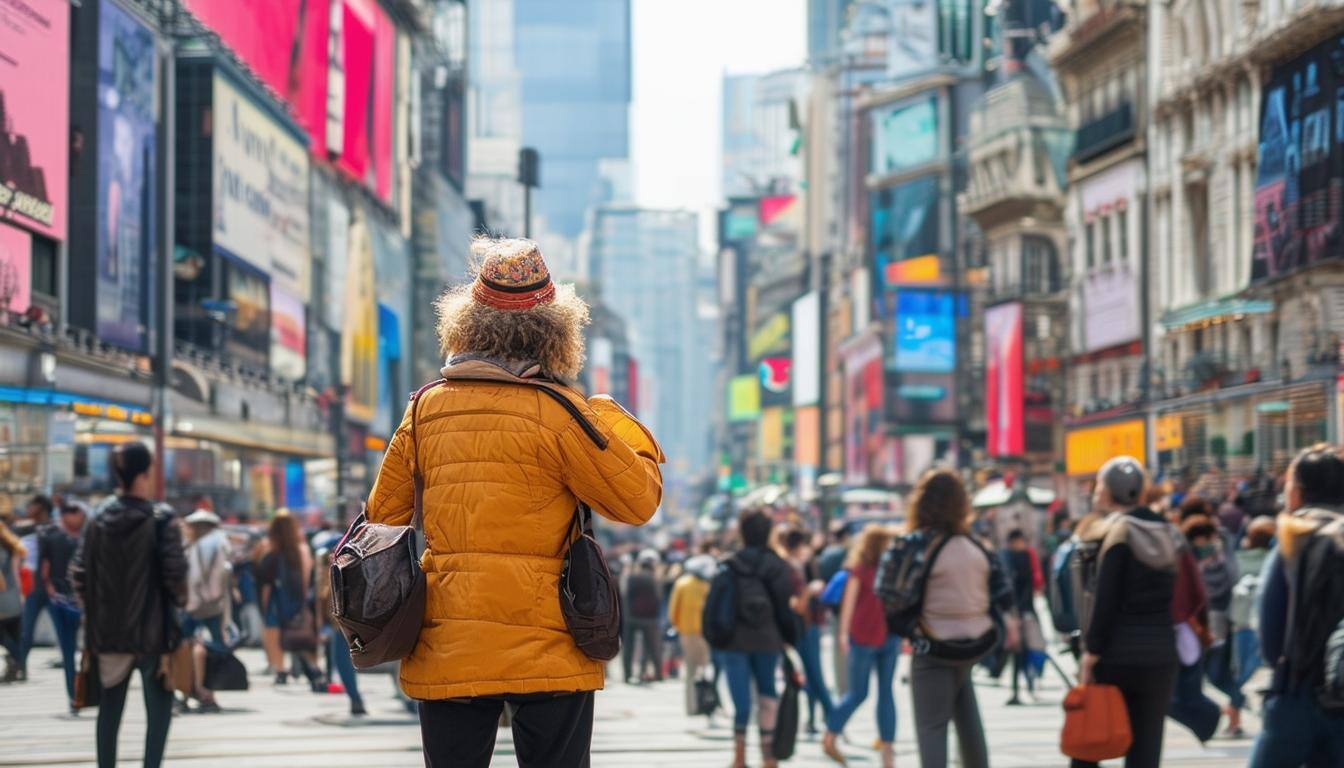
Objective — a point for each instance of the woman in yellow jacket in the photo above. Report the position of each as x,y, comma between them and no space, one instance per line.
504,468
684,610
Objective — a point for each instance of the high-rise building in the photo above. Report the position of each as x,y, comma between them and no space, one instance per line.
760,136
555,77
645,264
825,22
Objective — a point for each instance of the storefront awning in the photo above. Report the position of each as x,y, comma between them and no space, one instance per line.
1208,310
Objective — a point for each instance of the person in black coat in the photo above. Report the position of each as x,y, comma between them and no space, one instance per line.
130,573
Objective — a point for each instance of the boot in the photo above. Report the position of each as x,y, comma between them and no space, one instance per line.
767,716
887,751
739,750
831,749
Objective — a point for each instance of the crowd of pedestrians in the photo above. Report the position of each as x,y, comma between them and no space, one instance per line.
1162,593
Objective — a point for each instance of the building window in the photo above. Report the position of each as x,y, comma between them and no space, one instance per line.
1039,265
1106,240
44,267
1122,223
1089,243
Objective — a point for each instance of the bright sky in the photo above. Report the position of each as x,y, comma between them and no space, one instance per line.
682,49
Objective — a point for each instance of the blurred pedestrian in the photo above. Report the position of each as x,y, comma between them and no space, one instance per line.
285,575
504,466
209,577
1243,615
643,630
966,597
1018,564
765,623
56,547
337,650
11,600
685,608
1217,569
797,552
830,562
131,576
1295,623
871,650
37,522
1128,641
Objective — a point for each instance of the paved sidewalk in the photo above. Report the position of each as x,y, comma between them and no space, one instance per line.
640,726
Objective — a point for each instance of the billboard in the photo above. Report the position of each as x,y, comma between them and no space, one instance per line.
261,190
362,135
1003,380
904,135
284,42
922,399
359,337
905,224
807,436
1085,450
125,226
289,339
744,398
1109,297
925,335
912,45
807,349
16,269
863,428
1299,188
35,114
249,332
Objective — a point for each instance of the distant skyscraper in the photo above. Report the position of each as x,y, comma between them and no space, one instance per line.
760,139
825,20
646,264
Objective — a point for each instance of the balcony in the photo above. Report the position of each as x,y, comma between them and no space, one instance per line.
1104,133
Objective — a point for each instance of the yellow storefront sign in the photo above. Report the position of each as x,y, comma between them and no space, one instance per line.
769,337
1169,434
744,398
1085,450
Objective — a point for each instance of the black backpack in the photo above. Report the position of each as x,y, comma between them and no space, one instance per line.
1315,642
902,575
718,620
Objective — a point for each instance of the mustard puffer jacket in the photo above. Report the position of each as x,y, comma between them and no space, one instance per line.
504,465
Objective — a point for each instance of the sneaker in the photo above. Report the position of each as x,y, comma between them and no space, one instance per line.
1013,702
208,708
357,709
281,678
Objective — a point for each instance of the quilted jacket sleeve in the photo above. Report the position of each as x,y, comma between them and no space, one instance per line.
392,499
622,481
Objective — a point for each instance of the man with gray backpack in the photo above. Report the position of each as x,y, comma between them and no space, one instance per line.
1302,619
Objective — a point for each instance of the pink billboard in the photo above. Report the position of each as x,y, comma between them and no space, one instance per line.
35,114
1003,380
16,269
284,42
368,61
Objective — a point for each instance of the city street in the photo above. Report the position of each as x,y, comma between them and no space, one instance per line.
636,726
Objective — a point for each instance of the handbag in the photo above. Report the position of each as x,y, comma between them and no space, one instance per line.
786,721
179,671
707,700
299,633
589,598
223,670
88,682
1096,724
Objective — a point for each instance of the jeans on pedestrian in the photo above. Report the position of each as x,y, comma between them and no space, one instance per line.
744,669
1190,707
809,649
1146,691
32,609
65,616
213,625
863,660
158,712
1218,665
942,692
1246,650
338,654
548,730
1297,732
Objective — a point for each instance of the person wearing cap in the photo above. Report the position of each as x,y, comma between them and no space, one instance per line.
504,466
209,576
1128,640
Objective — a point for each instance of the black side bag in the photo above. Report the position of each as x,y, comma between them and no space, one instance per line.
589,599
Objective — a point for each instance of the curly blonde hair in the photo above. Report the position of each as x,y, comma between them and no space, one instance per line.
549,334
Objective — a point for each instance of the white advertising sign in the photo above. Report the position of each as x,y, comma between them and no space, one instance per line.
261,191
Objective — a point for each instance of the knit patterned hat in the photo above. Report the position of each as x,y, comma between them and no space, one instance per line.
513,275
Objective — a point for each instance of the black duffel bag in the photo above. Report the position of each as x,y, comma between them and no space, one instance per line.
377,586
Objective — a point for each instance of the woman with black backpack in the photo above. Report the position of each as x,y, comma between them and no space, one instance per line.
965,597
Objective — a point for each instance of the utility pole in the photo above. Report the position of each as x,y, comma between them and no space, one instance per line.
163,296
529,175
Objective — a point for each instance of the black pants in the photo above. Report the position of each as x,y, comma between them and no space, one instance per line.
647,631
549,731
158,711
1147,691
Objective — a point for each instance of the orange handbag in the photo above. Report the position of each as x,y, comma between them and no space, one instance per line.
1096,724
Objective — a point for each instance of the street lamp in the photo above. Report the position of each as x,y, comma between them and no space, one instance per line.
529,175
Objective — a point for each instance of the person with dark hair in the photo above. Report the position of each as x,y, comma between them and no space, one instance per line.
765,624
1128,640
1017,565
130,574
36,524
967,598
1297,730
285,578
56,547
643,607
796,549
869,647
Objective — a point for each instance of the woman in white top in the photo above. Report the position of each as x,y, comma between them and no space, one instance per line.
966,600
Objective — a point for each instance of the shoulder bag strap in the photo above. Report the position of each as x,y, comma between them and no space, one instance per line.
417,477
